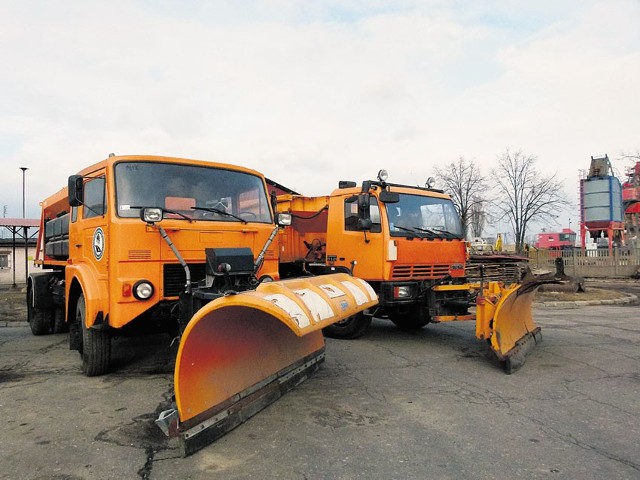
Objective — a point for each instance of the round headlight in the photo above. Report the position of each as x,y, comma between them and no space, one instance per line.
143,290
383,175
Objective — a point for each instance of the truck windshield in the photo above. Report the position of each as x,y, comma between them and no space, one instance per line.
422,216
190,192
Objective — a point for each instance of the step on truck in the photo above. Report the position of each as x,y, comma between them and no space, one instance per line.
184,246
407,243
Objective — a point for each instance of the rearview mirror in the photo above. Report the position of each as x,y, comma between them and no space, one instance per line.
364,216
363,201
364,224
75,188
386,196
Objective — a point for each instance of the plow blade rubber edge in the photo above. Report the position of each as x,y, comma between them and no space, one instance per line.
242,352
514,332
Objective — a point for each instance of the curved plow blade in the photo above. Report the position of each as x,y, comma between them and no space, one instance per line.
513,330
241,352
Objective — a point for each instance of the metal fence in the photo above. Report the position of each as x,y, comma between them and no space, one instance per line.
618,262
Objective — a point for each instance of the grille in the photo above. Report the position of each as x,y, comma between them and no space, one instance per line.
174,277
415,272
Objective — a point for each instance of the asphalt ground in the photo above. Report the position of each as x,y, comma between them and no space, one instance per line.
390,405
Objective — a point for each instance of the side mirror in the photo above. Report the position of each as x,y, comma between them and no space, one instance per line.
363,201
364,224
364,215
75,190
386,196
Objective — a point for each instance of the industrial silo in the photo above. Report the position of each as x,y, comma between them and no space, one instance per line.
601,210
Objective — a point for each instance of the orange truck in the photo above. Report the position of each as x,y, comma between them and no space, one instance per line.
186,246
407,243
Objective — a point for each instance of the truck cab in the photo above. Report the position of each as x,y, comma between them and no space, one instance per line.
108,268
403,240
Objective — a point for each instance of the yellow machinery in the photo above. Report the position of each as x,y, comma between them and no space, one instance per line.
407,243
503,318
185,246
241,352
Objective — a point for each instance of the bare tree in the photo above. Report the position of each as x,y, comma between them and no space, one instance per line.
477,217
525,194
467,187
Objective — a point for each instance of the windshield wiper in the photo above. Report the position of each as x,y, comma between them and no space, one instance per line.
219,212
426,230
448,233
410,230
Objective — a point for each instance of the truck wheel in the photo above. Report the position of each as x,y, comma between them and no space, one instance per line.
349,328
39,319
59,322
96,344
409,321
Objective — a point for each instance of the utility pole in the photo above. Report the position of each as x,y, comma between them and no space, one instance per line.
24,171
25,229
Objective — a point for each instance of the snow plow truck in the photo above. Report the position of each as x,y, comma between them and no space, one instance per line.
407,243
186,246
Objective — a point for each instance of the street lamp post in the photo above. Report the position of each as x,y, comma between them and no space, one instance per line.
24,171
25,228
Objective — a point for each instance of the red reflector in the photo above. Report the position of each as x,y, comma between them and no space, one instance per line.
126,290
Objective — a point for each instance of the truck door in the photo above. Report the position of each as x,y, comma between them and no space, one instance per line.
347,243
92,227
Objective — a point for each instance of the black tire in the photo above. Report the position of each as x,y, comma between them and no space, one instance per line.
60,324
40,320
96,344
409,321
353,327
75,337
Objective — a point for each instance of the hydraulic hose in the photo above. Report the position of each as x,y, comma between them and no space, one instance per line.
174,249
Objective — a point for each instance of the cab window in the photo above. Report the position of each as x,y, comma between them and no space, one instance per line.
351,214
95,204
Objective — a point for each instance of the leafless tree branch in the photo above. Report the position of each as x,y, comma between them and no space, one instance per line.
467,187
525,194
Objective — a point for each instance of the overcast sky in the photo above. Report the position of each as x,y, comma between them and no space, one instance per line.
312,92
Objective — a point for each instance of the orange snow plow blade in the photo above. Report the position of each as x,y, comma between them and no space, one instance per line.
505,319
241,352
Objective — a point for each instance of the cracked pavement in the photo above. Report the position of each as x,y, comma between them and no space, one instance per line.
429,404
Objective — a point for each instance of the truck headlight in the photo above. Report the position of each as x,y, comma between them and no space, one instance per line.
403,291
151,215
283,219
143,290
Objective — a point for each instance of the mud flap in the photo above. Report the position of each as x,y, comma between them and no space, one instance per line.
242,352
